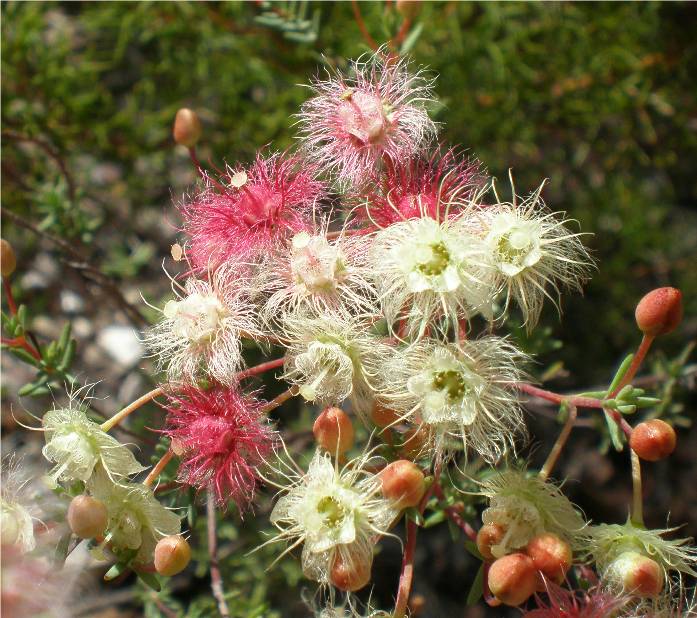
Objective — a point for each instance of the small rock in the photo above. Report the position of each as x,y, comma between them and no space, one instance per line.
71,302
121,343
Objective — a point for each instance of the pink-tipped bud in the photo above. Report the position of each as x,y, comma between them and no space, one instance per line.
551,556
513,579
172,555
8,260
637,574
333,431
653,440
187,128
382,416
87,517
403,483
408,9
488,536
350,574
659,312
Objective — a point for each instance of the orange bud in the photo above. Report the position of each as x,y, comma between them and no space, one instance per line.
350,574
187,128
87,517
8,260
659,312
334,431
382,416
403,483
172,555
638,574
488,536
653,440
551,555
513,579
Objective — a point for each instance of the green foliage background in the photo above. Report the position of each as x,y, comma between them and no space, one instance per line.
599,98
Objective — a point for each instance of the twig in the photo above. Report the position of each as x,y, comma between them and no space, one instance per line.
158,468
82,265
280,400
559,443
216,579
362,27
580,402
267,366
130,408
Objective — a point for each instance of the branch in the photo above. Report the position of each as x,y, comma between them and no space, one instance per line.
216,579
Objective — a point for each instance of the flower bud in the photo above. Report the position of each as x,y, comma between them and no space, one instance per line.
408,9
659,312
187,128
488,536
87,517
551,555
403,483
8,260
350,574
172,555
513,579
382,416
334,431
653,440
637,574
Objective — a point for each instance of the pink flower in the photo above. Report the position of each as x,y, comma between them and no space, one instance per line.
354,124
437,187
224,437
563,603
247,212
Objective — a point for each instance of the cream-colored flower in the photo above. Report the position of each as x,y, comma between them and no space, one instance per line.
458,391
332,513
136,519
76,445
525,506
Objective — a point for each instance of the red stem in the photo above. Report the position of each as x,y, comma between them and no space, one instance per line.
362,27
8,293
579,402
21,342
267,366
638,359
454,516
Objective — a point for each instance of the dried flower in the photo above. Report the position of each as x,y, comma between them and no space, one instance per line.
249,211
532,252
16,520
224,437
76,445
353,124
333,513
136,519
463,391
525,506
200,332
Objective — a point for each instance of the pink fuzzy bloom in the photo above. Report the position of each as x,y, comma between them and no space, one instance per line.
564,603
224,437
438,187
247,212
355,123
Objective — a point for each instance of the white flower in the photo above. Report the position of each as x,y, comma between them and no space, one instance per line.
136,519
525,506
333,357
424,270
463,391
76,445
332,513
200,333
532,252
317,275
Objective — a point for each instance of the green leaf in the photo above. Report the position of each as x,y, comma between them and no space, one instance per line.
118,569
411,39
471,547
65,337
22,316
23,355
620,373
616,434
477,589
149,580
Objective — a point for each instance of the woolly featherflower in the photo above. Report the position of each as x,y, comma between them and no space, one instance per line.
136,520
335,514
563,603
200,332
316,275
532,252
610,544
438,187
525,506
249,211
354,123
332,357
461,391
435,270
224,436
77,445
